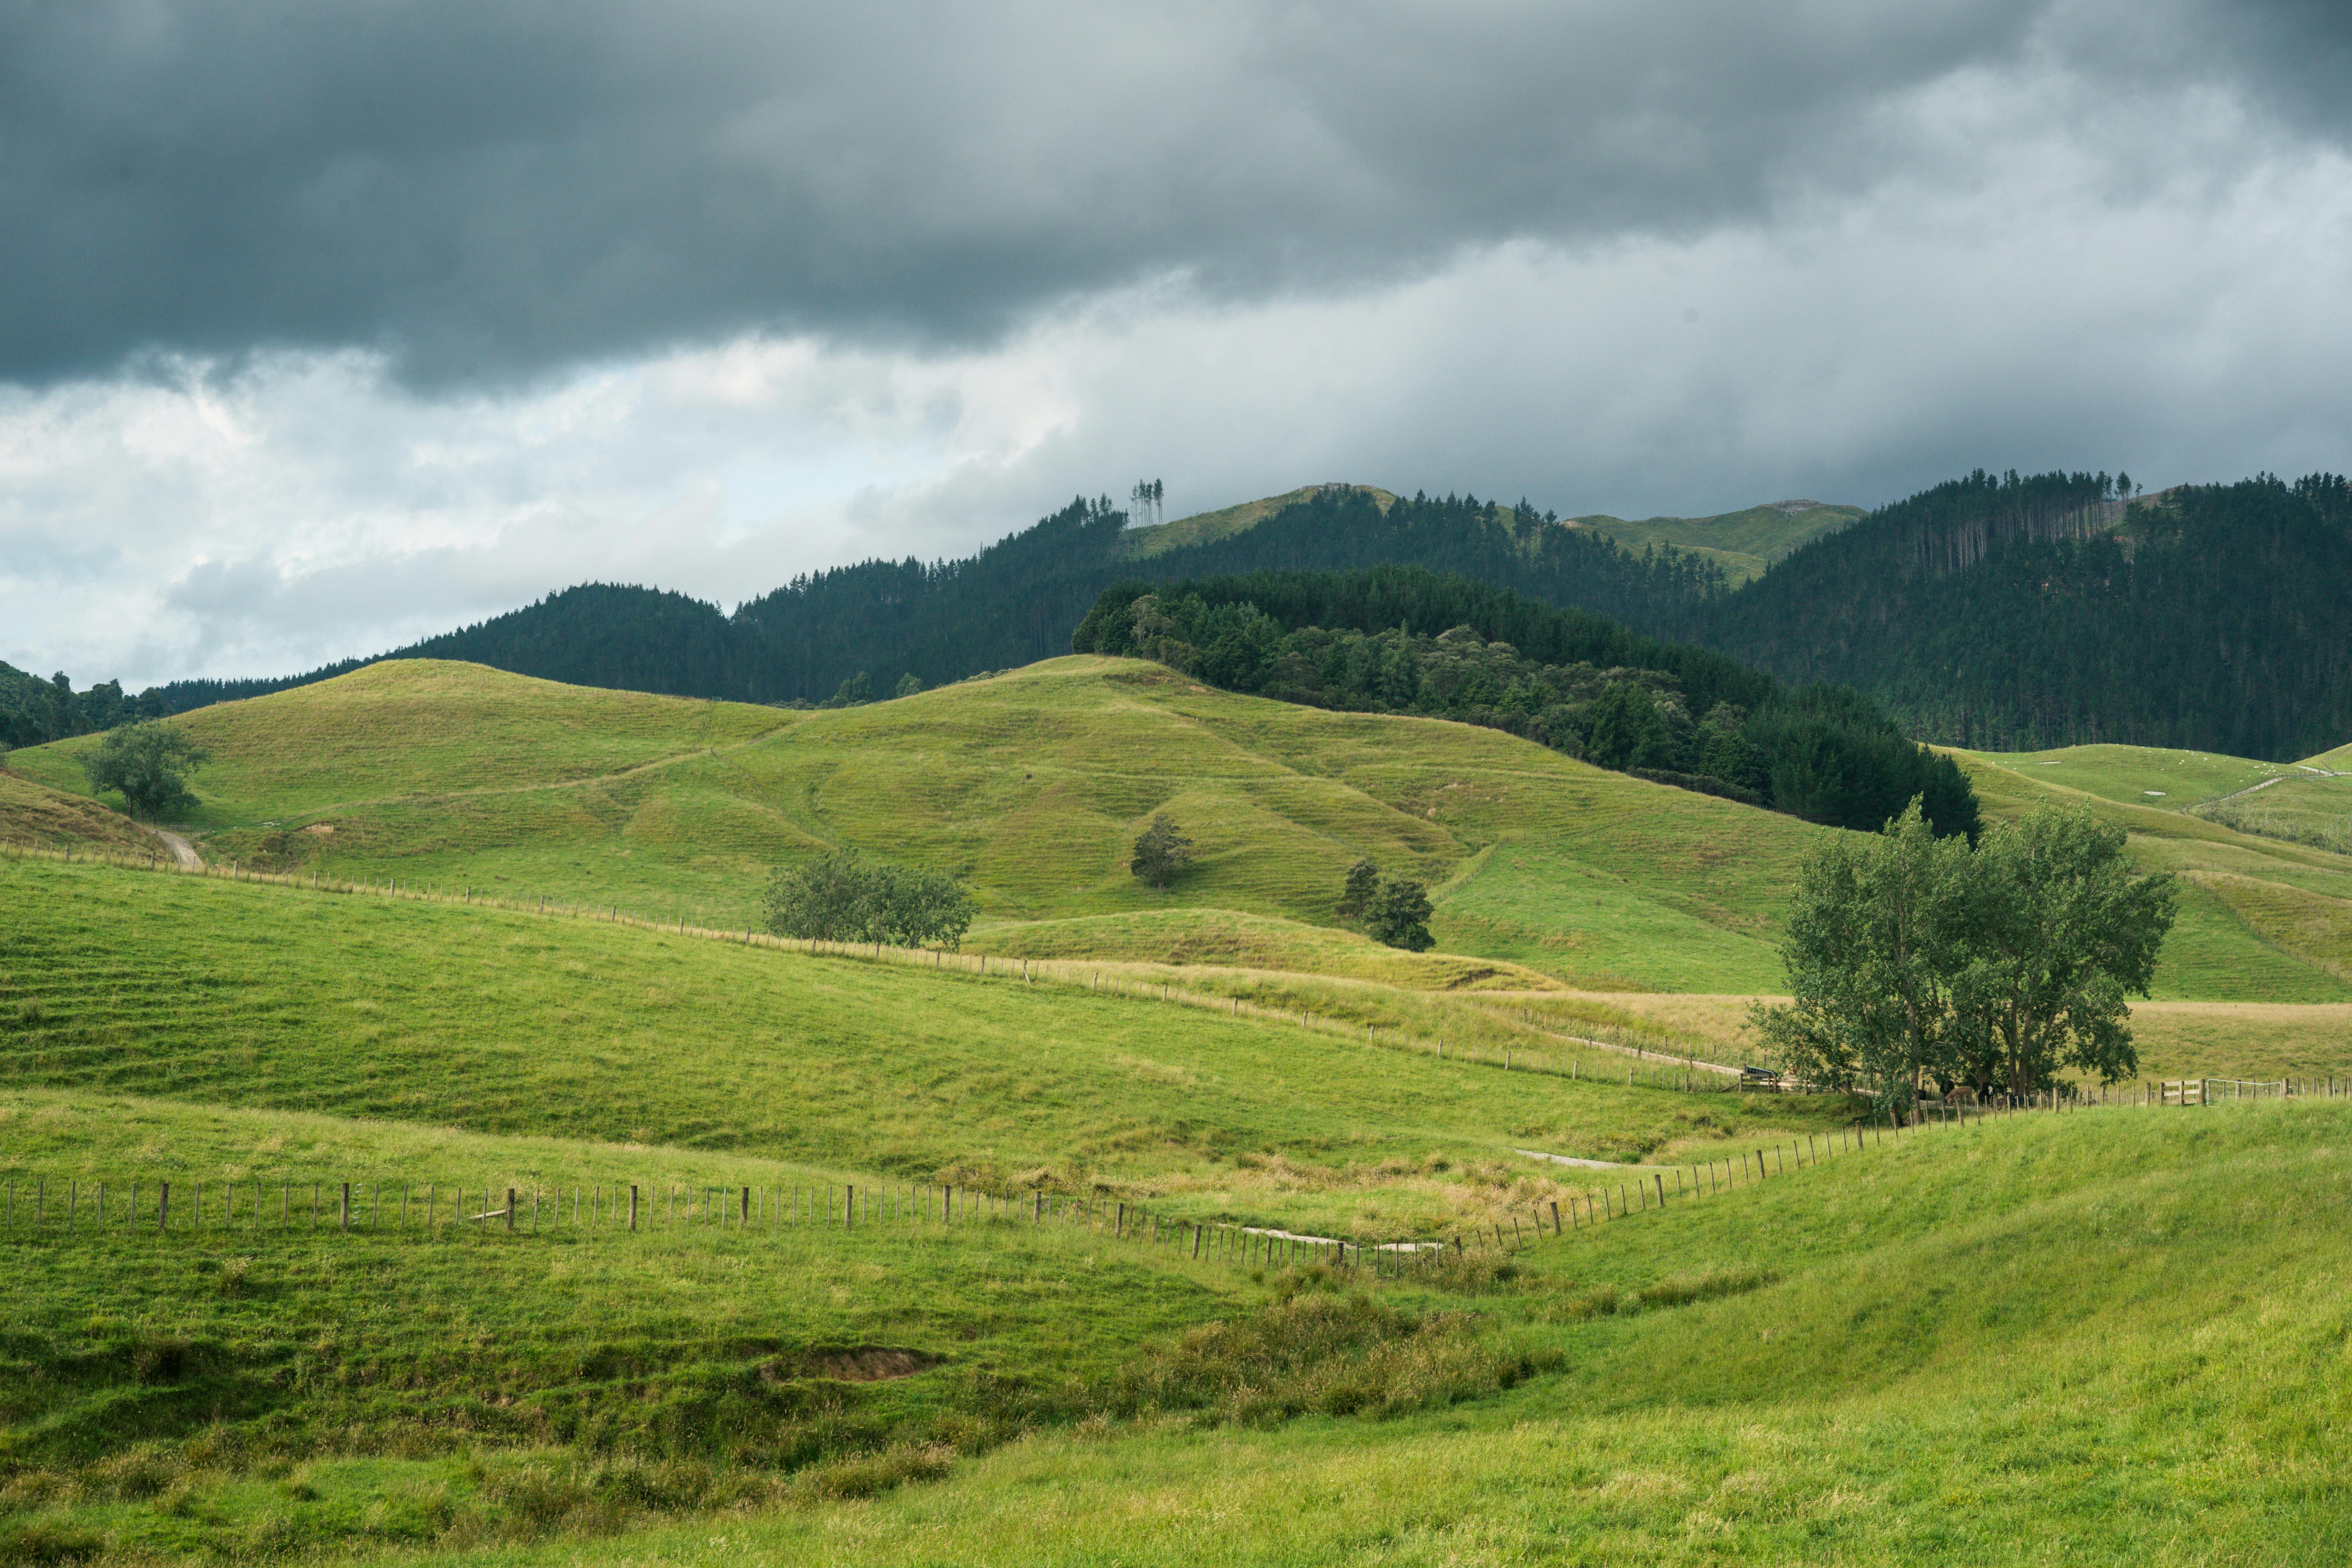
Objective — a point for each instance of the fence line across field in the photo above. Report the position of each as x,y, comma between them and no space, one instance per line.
32,1205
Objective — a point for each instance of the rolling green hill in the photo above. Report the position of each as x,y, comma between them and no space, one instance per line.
1034,784
1201,528
2029,1339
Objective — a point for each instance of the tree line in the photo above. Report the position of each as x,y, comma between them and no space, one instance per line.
1401,641
1010,605
34,711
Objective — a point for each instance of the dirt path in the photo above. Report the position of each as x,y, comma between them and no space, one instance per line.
181,850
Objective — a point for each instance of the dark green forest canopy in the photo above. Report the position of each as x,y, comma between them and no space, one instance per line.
33,710
2022,613
1398,640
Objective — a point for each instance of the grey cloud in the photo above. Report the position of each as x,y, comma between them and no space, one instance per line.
487,192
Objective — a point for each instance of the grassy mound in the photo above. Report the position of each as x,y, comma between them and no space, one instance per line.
2262,919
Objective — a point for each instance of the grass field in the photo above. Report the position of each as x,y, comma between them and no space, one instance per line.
2097,1336
2042,1338
230,994
2262,920
1743,542
1034,784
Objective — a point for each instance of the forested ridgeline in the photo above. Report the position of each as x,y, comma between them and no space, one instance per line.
1998,612
1393,639
1016,602
33,710
2009,614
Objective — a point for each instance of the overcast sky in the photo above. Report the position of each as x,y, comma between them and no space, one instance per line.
323,327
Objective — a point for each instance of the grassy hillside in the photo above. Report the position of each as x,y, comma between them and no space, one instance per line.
502,1023
2262,920
1034,784
423,727
2077,1338
35,813
1743,542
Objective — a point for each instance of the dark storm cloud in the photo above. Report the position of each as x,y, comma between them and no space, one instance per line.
488,191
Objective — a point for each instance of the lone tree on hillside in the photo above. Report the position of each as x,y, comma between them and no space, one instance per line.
1355,896
1911,958
149,763
1399,915
1160,852
844,897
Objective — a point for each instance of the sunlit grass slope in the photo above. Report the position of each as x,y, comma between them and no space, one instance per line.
35,813
2078,1338
2262,920
493,1022
1033,784
423,727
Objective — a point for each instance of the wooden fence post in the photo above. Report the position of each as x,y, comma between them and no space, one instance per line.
163,1206
633,1206
344,1219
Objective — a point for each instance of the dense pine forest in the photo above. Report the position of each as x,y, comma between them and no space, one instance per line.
2014,613
1991,611
1397,639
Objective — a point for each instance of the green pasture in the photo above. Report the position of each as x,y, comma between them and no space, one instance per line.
203,990
2097,1336
1743,542
2261,920
1032,784
2137,776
